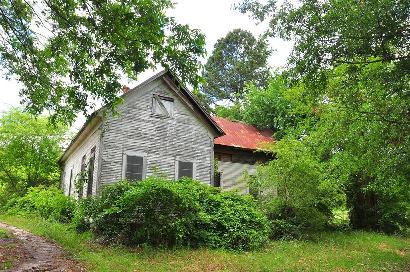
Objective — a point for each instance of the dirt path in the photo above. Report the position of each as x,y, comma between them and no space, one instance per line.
33,253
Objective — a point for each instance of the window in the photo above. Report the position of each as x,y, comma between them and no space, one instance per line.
82,172
162,106
217,179
91,172
70,181
134,167
185,169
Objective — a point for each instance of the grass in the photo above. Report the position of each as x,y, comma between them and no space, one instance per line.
6,262
354,251
4,233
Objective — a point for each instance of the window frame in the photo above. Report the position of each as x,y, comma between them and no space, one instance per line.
182,159
70,180
90,174
138,154
83,169
154,107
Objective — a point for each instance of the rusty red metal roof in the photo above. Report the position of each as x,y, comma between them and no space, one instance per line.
241,135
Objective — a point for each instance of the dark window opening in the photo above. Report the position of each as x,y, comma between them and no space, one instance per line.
82,172
185,169
217,179
91,172
134,168
70,181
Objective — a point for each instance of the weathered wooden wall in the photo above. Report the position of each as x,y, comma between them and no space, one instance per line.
162,139
91,139
233,163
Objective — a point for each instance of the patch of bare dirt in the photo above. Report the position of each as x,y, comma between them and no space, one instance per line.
26,252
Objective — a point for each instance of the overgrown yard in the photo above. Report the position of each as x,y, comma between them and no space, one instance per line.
354,251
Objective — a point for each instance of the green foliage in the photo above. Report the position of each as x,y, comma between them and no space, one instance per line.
65,53
49,203
330,33
278,106
86,208
325,251
233,112
160,212
352,58
4,234
284,229
232,221
294,192
29,150
237,59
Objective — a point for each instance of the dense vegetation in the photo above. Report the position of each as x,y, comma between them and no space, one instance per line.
331,251
29,150
156,212
340,112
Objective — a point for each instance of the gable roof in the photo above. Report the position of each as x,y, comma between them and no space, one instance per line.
191,98
173,83
241,135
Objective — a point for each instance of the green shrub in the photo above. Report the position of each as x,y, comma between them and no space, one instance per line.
282,229
49,203
233,221
83,218
161,212
290,222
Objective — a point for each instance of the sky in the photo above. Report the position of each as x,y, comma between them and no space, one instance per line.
215,18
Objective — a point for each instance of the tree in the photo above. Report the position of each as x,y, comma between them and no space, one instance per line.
237,59
330,33
29,150
353,58
278,106
66,52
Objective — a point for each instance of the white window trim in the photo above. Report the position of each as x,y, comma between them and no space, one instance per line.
71,179
133,153
178,159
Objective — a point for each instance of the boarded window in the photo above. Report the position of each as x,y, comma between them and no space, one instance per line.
163,106
185,169
134,167
91,172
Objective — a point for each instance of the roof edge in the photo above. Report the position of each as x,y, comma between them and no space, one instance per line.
195,102
176,82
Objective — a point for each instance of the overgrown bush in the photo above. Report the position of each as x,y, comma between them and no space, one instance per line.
232,221
49,203
161,212
83,215
293,191
282,229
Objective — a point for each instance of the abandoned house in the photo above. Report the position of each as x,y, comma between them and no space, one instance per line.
161,129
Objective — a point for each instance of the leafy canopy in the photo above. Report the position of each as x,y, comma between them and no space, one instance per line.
66,53
333,32
353,59
237,59
29,150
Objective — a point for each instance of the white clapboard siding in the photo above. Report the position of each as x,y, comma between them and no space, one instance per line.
74,162
232,175
163,140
